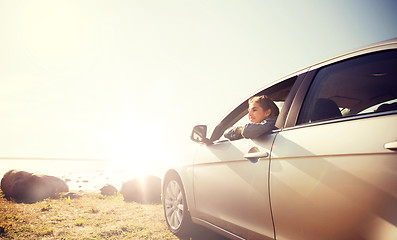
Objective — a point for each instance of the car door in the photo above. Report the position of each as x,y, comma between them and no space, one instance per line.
334,173
231,177
232,192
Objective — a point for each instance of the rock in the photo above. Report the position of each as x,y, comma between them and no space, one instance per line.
108,190
29,188
72,195
145,189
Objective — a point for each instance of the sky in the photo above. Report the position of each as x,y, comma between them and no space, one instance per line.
128,80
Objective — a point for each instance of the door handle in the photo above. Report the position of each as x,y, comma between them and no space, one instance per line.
391,146
254,156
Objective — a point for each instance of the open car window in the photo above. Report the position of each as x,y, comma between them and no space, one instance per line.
239,117
244,120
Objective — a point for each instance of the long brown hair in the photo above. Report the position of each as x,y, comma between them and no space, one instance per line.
266,103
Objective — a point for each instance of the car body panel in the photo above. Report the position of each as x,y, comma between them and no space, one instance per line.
339,176
232,191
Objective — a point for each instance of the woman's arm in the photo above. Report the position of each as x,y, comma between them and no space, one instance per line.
234,133
254,130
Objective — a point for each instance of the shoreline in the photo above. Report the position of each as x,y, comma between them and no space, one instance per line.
79,175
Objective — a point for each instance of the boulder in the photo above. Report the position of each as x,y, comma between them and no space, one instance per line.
29,188
108,190
145,189
72,195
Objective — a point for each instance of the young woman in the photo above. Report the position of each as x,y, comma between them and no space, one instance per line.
262,113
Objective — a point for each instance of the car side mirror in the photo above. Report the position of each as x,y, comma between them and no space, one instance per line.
199,134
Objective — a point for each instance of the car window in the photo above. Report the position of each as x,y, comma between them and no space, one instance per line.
278,93
362,85
244,120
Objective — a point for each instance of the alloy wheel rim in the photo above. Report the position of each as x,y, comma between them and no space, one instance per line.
173,204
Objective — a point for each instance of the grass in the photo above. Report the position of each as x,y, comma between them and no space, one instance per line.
91,217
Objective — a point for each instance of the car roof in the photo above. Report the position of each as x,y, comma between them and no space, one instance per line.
383,45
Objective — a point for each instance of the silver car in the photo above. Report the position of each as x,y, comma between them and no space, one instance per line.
329,170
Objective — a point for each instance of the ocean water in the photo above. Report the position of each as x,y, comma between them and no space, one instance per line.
85,175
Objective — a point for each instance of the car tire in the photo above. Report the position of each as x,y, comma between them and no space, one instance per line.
176,212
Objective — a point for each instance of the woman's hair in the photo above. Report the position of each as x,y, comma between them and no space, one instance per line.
266,103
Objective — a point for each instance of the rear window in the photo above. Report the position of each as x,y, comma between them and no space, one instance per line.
362,85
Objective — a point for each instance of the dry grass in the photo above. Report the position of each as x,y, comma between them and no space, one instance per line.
91,217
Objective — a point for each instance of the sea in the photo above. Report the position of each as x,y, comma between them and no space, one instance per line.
80,175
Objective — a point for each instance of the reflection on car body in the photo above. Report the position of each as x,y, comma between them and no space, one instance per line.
328,172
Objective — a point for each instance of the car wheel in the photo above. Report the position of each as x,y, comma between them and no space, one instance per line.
175,208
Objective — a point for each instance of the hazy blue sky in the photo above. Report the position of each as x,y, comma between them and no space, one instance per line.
129,79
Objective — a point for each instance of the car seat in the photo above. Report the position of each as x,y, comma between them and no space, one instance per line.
325,109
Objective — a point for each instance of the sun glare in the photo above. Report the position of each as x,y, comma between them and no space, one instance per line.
132,149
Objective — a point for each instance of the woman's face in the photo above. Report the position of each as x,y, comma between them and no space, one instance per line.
256,113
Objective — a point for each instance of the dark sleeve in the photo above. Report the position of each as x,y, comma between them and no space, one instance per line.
232,134
255,130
